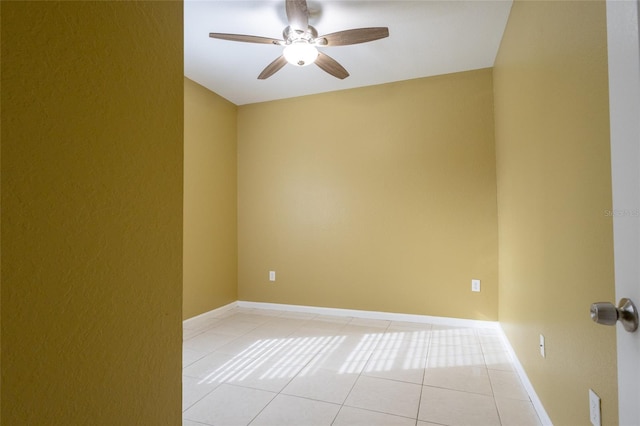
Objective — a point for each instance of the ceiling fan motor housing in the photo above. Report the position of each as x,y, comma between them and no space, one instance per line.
309,35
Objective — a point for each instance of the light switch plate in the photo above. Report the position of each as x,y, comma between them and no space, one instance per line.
594,408
272,275
475,285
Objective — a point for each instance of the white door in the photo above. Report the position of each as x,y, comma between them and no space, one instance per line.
624,103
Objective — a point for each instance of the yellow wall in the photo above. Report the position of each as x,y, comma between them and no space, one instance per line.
92,129
554,186
380,198
0,226
210,213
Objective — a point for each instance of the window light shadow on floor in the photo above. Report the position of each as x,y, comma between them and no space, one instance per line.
382,351
260,367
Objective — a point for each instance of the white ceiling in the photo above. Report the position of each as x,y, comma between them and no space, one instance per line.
426,38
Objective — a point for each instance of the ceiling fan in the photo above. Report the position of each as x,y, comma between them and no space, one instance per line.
301,39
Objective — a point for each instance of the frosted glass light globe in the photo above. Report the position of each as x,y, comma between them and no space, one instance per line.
300,53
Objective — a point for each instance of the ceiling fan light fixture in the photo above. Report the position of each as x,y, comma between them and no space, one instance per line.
301,39
300,53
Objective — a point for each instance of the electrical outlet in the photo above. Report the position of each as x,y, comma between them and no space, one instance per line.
594,408
475,285
542,347
272,275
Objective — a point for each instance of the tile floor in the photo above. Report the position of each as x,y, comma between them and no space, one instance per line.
264,367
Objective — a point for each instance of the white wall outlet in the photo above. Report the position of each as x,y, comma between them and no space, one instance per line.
594,408
542,347
475,285
272,275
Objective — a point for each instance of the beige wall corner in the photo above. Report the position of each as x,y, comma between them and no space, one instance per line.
210,201
554,189
92,129
380,198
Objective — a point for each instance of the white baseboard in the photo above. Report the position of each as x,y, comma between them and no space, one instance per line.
446,321
210,314
537,404
455,322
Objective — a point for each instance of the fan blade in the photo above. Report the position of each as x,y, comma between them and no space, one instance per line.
246,38
298,14
330,65
272,68
355,36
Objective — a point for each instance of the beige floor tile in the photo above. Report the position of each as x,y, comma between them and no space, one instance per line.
400,364
218,367
399,332
189,333
341,361
298,315
507,384
190,356
488,331
386,396
229,405
408,325
460,359
451,407
266,376
249,317
207,342
193,390
322,385
466,379
514,412
287,410
350,416
287,356
351,342
320,328
437,349
491,343
248,346
454,330
376,323
401,343
190,423
275,331
253,346
498,361
372,332
234,328
317,328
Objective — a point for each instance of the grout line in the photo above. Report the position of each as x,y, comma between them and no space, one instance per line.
424,373
355,382
263,408
493,393
200,399
378,412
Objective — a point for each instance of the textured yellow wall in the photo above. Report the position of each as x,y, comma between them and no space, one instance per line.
210,202
380,198
92,129
554,186
0,223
